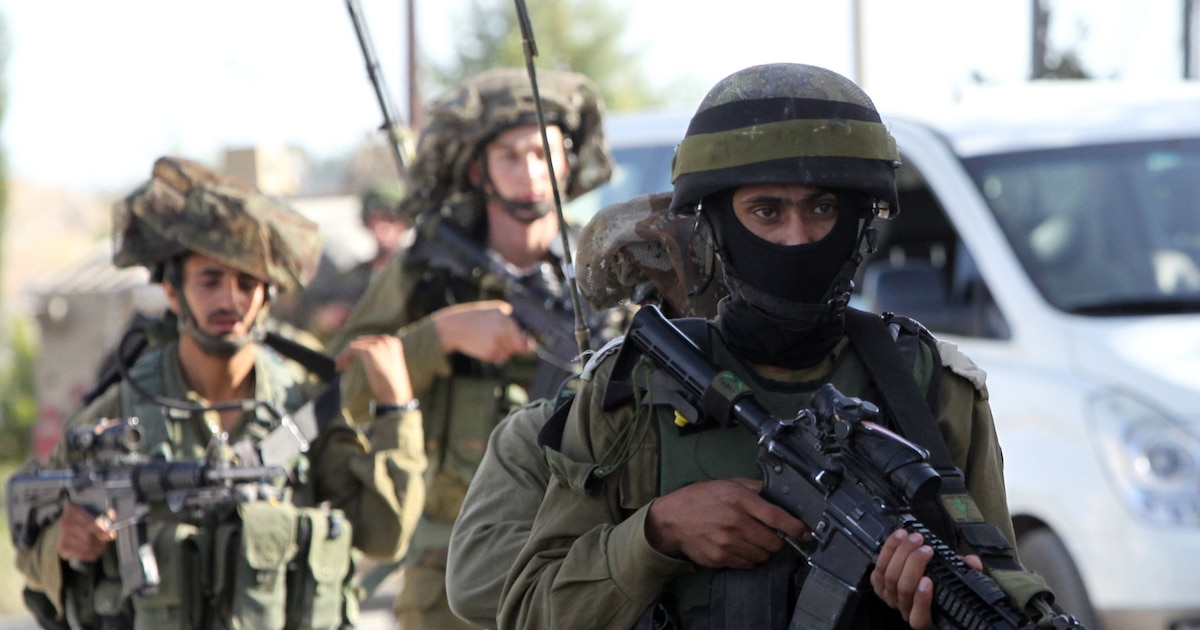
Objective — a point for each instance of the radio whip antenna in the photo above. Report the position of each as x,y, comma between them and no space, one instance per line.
530,47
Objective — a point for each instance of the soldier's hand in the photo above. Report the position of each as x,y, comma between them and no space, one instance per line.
899,577
481,330
382,358
722,524
84,536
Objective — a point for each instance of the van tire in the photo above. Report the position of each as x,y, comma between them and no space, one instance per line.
1043,551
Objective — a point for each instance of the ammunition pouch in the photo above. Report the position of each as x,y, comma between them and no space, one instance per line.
263,565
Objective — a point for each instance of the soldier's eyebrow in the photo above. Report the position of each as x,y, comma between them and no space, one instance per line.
767,198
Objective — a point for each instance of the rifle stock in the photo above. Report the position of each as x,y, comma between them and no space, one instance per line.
853,482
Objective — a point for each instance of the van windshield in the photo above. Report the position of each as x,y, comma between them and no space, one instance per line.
637,170
1103,230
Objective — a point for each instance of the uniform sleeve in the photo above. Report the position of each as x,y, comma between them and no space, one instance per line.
588,563
383,309
497,515
40,564
375,478
965,419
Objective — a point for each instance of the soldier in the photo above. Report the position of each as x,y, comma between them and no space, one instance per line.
481,168
332,294
630,252
784,167
222,251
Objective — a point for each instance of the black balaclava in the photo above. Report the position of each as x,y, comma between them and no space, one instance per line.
786,301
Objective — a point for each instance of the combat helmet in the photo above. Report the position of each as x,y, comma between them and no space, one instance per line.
462,121
786,123
381,198
185,207
639,251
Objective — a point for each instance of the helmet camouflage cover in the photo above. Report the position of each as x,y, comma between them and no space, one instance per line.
463,120
382,198
185,207
786,123
637,241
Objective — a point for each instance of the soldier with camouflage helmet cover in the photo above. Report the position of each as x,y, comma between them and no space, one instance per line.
221,251
481,167
652,524
630,254
327,301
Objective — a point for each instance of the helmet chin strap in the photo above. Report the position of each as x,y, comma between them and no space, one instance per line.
523,211
213,345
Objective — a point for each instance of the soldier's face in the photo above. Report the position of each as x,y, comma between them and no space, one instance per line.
223,300
786,214
516,163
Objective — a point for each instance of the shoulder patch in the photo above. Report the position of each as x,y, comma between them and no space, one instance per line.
598,357
961,364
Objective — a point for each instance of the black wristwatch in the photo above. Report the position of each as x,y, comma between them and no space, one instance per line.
379,409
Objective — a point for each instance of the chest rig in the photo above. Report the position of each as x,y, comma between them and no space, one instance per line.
892,361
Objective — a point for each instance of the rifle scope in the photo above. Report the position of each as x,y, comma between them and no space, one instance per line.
122,438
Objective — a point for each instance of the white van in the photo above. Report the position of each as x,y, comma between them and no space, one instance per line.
1054,235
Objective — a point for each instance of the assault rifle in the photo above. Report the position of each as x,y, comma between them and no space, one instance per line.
539,311
113,476
852,481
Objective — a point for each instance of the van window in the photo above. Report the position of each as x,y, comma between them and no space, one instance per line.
637,170
922,269
1103,230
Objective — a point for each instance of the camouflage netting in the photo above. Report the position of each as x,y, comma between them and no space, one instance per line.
637,241
187,207
463,120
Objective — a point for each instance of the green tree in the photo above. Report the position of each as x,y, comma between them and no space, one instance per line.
4,47
18,406
582,36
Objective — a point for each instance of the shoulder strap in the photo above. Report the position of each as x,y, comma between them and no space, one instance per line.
314,361
909,408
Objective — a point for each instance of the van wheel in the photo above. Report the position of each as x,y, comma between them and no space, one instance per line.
1043,551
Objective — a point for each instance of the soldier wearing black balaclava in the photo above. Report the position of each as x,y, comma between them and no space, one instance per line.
654,522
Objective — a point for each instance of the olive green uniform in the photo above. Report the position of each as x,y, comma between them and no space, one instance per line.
588,563
497,514
374,481
462,400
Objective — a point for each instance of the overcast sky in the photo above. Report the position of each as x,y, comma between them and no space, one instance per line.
98,89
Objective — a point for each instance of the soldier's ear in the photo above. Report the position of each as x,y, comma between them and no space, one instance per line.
475,173
172,297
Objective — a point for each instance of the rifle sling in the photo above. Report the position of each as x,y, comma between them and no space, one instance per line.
312,360
915,421
904,400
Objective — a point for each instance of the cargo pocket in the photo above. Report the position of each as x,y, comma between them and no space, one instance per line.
474,412
267,543
165,607
318,575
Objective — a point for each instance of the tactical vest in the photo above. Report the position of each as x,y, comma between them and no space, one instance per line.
459,412
762,597
257,564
